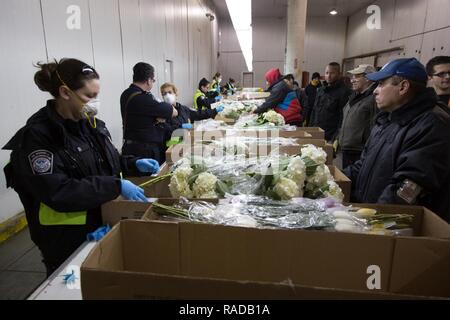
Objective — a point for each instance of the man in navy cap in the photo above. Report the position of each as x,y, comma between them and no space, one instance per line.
406,159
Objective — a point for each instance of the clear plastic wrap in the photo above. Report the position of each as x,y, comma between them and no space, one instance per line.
261,212
299,213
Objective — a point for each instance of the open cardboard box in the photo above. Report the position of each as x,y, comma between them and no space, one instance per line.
120,209
183,260
161,188
176,152
193,135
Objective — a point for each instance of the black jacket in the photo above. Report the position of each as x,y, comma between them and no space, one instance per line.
278,91
311,93
186,115
358,120
328,106
140,114
303,99
69,167
412,143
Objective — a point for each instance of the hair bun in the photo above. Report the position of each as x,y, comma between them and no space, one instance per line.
44,78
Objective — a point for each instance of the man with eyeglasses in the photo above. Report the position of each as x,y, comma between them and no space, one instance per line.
438,70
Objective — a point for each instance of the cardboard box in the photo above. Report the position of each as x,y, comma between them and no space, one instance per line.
161,188
119,209
167,260
226,120
176,152
315,132
192,135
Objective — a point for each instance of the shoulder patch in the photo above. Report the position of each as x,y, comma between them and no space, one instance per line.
41,162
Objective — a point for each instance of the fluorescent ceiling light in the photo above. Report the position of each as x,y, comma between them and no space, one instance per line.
241,17
333,12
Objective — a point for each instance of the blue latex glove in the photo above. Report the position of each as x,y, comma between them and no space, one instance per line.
98,234
147,166
220,108
186,126
218,98
130,191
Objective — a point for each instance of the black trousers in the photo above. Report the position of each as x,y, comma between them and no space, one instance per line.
350,157
59,243
145,150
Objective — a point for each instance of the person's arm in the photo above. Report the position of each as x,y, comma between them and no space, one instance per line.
423,159
343,99
203,102
45,175
277,96
201,114
158,109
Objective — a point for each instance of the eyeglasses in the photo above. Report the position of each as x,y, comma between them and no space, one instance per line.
442,74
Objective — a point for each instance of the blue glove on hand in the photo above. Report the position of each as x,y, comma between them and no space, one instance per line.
98,234
186,126
130,191
220,108
147,165
218,98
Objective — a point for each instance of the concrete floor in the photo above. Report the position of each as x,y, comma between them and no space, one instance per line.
21,267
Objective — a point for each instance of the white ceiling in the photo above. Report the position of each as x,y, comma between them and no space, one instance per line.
320,8
316,8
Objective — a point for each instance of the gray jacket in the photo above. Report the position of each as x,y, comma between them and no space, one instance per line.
358,119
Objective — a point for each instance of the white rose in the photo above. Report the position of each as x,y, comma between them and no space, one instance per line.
334,191
286,189
179,188
319,178
315,153
205,186
296,171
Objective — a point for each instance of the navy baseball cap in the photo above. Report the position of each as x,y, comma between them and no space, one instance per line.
408,68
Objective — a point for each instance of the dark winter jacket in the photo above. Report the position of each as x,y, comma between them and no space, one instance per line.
327,111
358,120
411,143
284,101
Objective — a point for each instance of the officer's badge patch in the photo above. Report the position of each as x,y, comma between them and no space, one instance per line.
41,162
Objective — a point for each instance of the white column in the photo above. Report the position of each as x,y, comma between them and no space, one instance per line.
295,45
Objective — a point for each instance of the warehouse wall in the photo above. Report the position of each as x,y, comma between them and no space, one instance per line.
269,46
113,36
231,62
402,21
324,42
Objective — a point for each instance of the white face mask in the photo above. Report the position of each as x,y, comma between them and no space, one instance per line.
170,98
92,107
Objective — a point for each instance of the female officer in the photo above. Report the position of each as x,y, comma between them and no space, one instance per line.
63,164
186,116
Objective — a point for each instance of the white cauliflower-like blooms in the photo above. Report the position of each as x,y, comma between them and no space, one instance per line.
205,186
317,154
233,146
273,117
178,185
296,171
319,178
183,172
334,191
180,188
286,189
